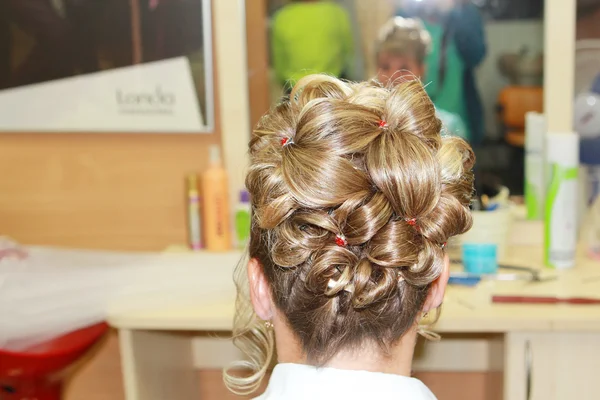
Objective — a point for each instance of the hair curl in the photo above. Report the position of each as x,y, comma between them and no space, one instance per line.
323,164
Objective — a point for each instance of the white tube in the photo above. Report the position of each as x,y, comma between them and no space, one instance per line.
561,201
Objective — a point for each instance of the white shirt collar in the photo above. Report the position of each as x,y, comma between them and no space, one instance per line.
295,382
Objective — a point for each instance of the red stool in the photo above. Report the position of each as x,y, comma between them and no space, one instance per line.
38,372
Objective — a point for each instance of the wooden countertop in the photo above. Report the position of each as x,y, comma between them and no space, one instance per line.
465,309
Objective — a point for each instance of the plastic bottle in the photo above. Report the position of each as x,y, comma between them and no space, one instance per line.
194,223
535,182
215,207
242,219
561,202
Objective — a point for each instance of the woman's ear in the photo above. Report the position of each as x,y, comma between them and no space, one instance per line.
438,288
260,291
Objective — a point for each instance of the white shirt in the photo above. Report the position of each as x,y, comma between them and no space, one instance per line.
301,382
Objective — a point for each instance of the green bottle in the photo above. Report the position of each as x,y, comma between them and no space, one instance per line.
242,220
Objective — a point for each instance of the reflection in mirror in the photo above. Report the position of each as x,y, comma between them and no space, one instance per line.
587,100
144,65
482,61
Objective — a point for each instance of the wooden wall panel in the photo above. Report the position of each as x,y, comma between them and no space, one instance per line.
258,58
97,190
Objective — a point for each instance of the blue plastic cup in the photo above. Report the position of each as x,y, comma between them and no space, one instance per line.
480,258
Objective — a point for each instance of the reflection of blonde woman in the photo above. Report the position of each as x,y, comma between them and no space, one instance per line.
402,48
354,194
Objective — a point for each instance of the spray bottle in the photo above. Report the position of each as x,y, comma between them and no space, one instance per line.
215,207
561,202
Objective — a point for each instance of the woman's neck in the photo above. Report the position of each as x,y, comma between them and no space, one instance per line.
372,359
369,358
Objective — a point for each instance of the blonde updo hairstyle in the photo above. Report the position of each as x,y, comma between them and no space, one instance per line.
357,161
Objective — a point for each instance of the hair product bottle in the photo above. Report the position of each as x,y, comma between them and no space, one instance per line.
194,224
215,207
535,181
561,202
242,220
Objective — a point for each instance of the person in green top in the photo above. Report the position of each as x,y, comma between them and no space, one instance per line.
404,45
458,47
310,36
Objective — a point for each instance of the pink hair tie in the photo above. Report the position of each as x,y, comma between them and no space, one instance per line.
340,240
383,124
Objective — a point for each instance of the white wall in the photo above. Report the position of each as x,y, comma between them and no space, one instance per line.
503,37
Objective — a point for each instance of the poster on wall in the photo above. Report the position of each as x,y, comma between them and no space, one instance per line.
106,66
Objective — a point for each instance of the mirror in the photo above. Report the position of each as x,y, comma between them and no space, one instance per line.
587,100
106,66
483,65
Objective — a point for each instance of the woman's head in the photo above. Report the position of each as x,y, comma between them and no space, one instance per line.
403,45
354,194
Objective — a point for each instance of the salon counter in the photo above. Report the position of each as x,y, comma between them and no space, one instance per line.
545,351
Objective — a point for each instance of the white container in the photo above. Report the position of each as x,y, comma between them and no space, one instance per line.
560,236
489,227
535,182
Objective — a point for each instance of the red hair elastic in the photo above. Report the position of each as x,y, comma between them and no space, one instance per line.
340,240
285,141
411,221
383,124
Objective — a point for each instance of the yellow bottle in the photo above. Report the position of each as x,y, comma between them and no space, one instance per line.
215,207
